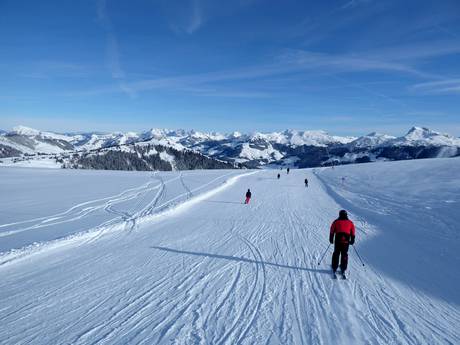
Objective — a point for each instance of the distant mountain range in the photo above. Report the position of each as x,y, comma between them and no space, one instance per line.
288,148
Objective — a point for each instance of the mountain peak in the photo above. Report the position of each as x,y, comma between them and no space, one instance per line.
371,140
420,133
374,134
419,129
23,130
425,136
236,134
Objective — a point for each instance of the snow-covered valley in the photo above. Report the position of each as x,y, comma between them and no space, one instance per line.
160,258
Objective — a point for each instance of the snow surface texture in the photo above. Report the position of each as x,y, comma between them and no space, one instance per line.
220,272
38,162
415,207
48,205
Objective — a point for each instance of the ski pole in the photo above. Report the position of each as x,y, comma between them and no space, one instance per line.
358,255
322,256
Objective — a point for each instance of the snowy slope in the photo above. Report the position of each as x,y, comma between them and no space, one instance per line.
21,147
28,140
220,272
298,138
371,140
31,132
414,207
46,205
36,162
424,136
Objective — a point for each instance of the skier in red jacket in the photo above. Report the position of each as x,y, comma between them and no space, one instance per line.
248,196
344,231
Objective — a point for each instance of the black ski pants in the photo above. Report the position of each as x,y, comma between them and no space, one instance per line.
340,251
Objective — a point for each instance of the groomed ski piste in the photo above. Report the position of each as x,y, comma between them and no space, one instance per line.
97,257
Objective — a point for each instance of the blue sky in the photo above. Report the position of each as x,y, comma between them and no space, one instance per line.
348,67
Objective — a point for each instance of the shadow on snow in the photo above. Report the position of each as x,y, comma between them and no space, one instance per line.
240,259
224,202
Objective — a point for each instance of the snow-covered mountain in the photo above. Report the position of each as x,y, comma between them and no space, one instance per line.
93,141
425,137
30,141
113,151
371,140
289,147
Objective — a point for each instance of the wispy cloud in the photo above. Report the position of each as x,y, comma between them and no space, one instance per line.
425,21
340,62
319,26
188,19
54,69
402,59
354,3
189,82
196,18
220,92
450,33
195,14
448,86
417,51
113,50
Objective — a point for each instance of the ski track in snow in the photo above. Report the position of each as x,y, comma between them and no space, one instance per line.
219,272
85,209
123,219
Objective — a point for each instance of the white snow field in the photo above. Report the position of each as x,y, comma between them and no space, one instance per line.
215,271
47,204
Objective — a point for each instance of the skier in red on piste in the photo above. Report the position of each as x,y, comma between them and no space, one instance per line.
248,196
343,230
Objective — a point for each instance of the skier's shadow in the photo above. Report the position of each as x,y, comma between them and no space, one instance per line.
224,202
241,259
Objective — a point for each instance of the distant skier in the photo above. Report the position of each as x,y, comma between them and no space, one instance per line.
344,231
248,196
279,176
288,170
306,182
